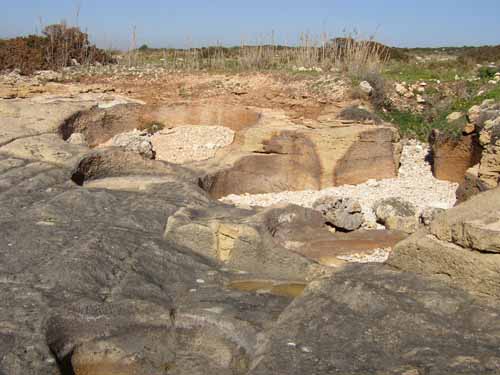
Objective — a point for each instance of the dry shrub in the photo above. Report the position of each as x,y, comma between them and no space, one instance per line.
24,53
484,54
358,58
55,49
66,43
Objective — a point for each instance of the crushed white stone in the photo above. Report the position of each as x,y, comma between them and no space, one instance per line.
377,256
415,183
190,143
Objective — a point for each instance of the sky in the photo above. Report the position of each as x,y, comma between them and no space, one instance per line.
192,23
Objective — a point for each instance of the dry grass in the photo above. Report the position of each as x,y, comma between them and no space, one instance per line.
350,55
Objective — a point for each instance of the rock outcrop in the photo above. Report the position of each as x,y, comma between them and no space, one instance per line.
118,264
485,174
462,246
453,156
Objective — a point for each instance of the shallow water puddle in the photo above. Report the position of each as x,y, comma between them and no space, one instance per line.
277,288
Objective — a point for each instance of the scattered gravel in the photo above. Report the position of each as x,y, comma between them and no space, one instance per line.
378,256
186,144
415,184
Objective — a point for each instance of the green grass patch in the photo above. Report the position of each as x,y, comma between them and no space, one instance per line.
413,72
465,104
413,125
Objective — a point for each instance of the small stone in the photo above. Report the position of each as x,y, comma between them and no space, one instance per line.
420,99
474,113
401,89
77,139
366,87
469,128
305,349
429,214
454,116
134,141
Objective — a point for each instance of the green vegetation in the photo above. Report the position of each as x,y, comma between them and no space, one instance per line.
487,72
411,72
413,125
420,126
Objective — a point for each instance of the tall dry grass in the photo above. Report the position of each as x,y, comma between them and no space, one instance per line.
350,54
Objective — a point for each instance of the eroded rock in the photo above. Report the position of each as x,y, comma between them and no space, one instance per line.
332,329
342,213
396,214
463,246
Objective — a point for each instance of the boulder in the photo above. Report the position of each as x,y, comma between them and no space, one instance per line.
276,155
462,246
342,213
134,141
396,214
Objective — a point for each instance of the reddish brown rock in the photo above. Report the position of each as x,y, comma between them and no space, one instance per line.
453,157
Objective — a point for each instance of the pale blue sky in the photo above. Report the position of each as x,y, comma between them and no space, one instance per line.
171,23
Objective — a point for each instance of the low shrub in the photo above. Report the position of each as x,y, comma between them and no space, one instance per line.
56,48
487,72
484,54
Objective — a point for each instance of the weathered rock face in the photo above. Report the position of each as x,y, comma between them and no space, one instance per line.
111,263
463,246
453,157
251,150
390,323
245,239
99,125
473,159
486,174
278,157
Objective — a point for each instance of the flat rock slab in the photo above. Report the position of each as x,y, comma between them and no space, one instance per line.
371,320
